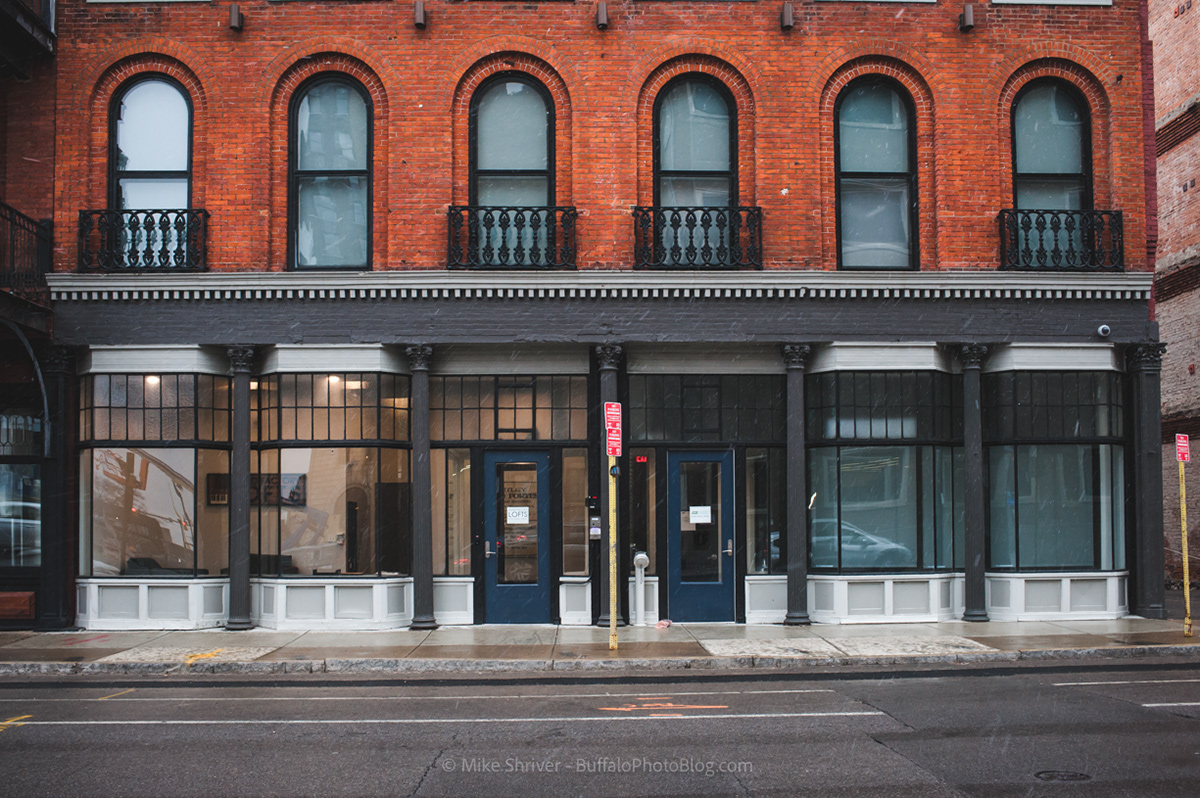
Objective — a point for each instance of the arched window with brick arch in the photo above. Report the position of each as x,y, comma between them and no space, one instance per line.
875,151
329,174
148,224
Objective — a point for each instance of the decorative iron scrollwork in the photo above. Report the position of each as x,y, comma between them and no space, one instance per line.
143,240
1052,240
494,237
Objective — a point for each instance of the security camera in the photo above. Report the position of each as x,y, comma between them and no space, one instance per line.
1104,331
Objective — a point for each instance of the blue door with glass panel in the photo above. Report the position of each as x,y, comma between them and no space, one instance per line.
701,567
516,537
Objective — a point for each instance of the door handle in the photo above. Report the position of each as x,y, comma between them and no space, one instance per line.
729,548
487,550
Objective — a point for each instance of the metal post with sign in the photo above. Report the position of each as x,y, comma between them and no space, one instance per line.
612,441
1183,455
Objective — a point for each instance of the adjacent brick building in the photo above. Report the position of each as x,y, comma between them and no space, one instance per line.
347,284
1175,30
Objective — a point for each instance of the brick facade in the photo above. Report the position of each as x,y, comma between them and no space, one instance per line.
603,82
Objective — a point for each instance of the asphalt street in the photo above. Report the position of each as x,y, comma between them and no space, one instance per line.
1075,729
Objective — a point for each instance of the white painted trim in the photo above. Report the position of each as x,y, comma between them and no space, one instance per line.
299,358
651,608
707,359
1115,592
90,589
880,357
598,284
446,586
766,598
154,359
576,584
499,360
841,611
274,614
1054,357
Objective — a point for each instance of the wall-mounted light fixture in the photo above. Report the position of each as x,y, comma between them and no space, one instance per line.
602,16
236,18
419,14
787,17
966,20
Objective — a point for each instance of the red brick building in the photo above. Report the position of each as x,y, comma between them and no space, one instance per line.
1175,29
347,283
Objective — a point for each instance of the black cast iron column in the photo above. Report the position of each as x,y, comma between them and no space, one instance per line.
241,360
54,607
974,520
795,356
422,520
1147,590
608,359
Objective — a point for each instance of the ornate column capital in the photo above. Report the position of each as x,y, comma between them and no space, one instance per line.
609,355
795,356
972,355
1146,356
241,358
419,356
57,360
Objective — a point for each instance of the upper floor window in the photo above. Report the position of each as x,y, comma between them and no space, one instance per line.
875,146
330,175
695,149
1051,147
151,141
512,143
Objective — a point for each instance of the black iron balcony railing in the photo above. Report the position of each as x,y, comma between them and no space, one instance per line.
24,254
697,238
494,237
1062,240
143,240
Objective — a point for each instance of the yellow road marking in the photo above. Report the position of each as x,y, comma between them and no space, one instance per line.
6,725
191,658
114,695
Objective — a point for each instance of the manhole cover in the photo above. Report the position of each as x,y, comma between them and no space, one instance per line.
1061,775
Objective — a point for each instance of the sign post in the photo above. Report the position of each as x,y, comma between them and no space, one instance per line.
1183,455
612,439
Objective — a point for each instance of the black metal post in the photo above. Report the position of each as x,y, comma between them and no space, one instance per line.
241,360
608,357
795,357
974,520
54,605
422,520
1147,592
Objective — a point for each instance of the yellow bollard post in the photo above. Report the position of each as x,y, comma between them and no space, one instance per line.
1187,587
612,554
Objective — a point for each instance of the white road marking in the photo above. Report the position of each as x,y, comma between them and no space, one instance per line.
113,699
1178,704
1128,681
433,721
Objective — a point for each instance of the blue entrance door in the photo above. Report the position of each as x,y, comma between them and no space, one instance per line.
700,530
516,537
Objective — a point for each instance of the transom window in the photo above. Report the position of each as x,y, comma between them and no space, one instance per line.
1051,147
151,140
330,170
512,143
695,150
875,146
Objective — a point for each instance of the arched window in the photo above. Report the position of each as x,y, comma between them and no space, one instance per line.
1051,147
151,140
876,154
512,143
695,149
330,175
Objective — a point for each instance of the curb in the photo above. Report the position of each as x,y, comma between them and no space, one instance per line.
432,666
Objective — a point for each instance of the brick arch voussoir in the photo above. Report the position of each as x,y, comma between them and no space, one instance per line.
907,65
679,52
359,60
482,53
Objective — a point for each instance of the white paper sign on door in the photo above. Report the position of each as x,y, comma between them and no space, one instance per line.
700,514
518,516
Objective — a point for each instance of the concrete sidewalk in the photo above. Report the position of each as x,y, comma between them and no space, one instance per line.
566,648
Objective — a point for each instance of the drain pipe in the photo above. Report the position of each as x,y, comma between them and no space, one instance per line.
640,561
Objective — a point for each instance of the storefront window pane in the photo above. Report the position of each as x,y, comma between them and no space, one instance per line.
766,550
451,472
20,516
143,503
879,507
1002,526
1057,506
327,509
643,505
823,507
574,512
264,502
395,513
212,512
